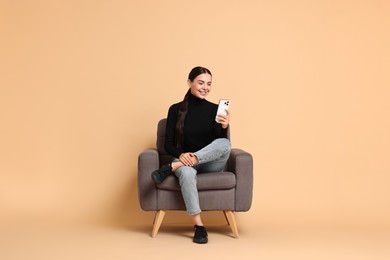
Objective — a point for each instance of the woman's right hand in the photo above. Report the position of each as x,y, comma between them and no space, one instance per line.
187,159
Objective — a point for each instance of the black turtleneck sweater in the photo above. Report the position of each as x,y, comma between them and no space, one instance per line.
200,128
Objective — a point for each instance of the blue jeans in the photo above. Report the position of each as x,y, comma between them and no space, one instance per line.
212,158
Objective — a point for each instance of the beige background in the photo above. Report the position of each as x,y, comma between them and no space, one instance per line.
83,84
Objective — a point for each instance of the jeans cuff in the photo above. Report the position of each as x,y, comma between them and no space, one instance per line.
194,213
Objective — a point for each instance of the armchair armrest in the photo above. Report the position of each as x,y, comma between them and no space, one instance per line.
241,164
148,161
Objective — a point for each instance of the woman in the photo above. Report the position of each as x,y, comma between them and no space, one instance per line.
197,142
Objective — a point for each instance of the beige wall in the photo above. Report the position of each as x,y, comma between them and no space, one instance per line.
83,84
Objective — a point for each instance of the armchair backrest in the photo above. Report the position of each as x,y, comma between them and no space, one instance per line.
160,143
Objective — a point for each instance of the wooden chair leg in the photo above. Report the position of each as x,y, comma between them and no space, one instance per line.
231,221
226,217
157,222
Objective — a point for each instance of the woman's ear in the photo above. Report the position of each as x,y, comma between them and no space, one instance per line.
189,83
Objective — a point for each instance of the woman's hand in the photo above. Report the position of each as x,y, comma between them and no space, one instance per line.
188,159
224,120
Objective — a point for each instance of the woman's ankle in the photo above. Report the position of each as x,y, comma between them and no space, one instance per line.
197,220
176,165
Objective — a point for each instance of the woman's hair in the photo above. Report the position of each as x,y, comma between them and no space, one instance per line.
179,135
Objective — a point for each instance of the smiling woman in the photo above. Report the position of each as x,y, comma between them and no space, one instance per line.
201,85
196,141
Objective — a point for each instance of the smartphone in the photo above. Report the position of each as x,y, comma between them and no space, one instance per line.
223,105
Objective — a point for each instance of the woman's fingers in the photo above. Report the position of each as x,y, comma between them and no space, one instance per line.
186,159
224,120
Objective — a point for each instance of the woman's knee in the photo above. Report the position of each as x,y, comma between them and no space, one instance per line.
224,144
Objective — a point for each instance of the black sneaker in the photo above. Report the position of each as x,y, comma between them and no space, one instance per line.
159,175
200,236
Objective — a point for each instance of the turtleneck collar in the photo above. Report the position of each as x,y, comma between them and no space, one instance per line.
195,100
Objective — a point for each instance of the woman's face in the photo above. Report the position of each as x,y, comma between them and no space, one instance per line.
200,86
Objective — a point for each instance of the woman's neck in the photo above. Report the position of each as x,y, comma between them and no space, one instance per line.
195,99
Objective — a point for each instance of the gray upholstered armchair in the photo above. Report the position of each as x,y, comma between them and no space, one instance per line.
227,191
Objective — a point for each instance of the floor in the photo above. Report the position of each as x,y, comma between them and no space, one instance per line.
174,242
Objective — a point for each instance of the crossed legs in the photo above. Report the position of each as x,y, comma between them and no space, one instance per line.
211,158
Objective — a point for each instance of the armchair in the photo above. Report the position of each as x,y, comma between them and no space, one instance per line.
229,191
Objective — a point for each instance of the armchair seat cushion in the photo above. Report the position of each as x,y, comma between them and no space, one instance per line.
205,181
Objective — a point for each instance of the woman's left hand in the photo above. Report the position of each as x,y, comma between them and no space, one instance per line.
224,120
